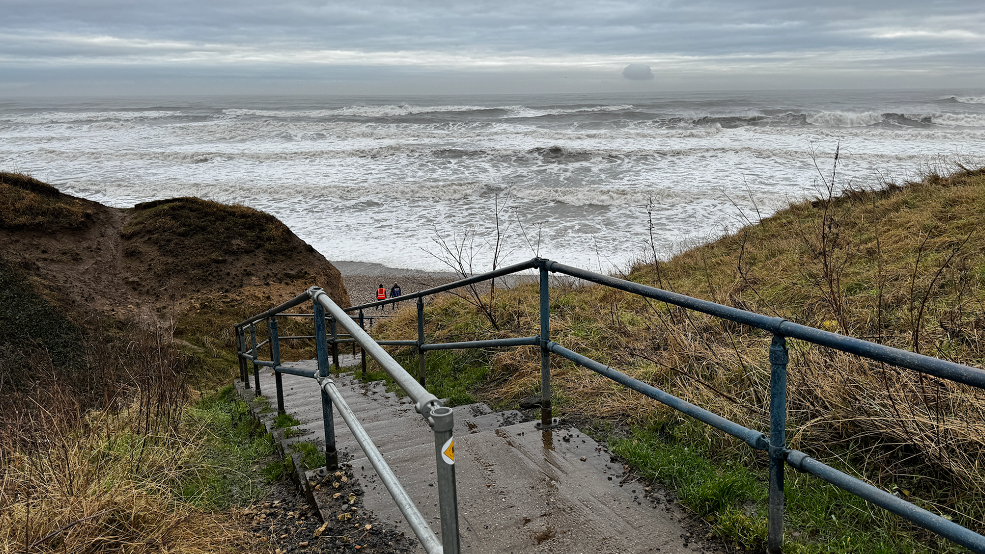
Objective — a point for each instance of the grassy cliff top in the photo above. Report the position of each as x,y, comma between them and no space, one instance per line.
194,249
190,226
27,203
903,265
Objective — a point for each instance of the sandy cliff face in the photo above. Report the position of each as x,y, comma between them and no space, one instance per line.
156,262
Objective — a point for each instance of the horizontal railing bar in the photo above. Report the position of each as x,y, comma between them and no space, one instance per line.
918,362
299,299
390,481
751,437
523,341
933,522
423,399
529,264
298,337
313,373
779,326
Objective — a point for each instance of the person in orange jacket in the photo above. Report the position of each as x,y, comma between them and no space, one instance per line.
380,294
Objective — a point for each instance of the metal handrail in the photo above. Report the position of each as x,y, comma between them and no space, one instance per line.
439,418
508,270
414,517
423,399
779,326
774,444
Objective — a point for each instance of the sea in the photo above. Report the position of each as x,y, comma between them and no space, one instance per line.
417,182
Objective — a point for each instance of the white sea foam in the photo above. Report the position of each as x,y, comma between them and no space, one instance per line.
970,99
84,117
375,182
845,119
390,110
525,112
960,119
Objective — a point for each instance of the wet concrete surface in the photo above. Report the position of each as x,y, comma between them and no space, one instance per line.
519,489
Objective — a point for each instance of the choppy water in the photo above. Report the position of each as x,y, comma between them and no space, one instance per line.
376,179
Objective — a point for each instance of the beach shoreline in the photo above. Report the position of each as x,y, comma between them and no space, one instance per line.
363,278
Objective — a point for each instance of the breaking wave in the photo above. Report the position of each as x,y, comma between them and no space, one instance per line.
43,118
967,99
388,175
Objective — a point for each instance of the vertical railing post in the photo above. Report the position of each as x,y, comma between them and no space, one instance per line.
442,421
321,346
275,357
253,353
778,423
420,341
362,351
244,374
546,414
335,344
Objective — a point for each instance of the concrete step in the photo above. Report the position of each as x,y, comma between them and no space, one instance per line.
525,490
519,489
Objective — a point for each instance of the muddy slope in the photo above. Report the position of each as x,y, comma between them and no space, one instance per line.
157,261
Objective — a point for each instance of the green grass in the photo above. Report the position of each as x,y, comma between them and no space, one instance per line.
283,421
732,497
310,455
289,424
453,375
234,451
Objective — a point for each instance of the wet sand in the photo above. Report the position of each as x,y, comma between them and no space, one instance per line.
362,279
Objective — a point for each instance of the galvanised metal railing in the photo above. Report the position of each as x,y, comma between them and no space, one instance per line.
440,418
774,445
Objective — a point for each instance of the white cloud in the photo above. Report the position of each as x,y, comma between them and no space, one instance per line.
946,34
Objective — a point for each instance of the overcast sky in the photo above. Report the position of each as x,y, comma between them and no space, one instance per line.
70,47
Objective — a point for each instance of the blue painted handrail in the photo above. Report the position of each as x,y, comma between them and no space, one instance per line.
774,444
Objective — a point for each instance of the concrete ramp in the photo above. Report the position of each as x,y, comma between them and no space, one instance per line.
519,489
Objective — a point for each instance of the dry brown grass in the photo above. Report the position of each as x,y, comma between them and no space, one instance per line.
26,203
905,267
73,479
107,486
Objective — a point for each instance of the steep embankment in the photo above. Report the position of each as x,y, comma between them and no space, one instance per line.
93,387
67,264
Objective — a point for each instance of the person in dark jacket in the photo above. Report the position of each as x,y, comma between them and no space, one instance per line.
394,292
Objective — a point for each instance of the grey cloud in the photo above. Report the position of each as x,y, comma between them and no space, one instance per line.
616,28
638,72
750,34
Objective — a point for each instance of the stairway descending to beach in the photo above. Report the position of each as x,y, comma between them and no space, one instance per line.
519,489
